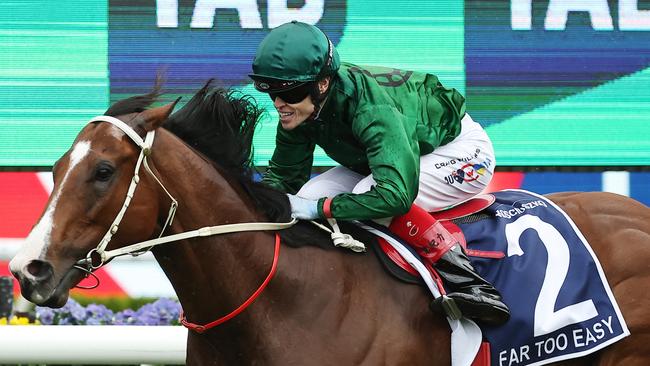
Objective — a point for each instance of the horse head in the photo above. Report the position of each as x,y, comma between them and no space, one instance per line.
90,185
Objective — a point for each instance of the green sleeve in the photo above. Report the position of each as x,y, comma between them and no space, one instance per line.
291,163
394,160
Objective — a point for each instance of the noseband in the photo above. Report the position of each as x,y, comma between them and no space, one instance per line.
99,256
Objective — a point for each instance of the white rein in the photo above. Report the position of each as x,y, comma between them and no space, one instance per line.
99,256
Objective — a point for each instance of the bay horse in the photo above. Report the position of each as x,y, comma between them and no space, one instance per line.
323,306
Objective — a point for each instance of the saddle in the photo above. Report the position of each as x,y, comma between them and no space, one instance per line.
398,267
306,233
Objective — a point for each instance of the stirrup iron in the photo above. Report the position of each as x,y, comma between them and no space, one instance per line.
450,308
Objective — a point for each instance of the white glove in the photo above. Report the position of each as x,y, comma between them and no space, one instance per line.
303,208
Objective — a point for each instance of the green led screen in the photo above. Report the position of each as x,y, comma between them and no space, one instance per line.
553,85
53,76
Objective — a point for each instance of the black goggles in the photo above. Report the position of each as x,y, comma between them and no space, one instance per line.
289,91
295,95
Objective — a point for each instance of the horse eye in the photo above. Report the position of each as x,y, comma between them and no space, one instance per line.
103,173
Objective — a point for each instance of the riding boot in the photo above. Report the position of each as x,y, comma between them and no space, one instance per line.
468,293
475,297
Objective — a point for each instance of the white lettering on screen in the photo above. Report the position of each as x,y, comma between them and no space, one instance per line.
630,18
278,13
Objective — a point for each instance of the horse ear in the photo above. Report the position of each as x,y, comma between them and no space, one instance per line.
151,119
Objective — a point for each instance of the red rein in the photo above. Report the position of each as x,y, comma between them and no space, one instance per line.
202,328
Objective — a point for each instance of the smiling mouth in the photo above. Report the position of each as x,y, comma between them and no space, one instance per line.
285,114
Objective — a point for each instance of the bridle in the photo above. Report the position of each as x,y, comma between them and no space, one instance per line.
99,256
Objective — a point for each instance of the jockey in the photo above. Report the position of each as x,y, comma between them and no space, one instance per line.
404,143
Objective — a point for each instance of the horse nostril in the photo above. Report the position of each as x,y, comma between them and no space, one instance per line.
39,269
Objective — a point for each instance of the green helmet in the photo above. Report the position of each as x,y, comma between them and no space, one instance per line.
291,55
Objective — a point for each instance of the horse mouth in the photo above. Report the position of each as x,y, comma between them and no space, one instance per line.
51,296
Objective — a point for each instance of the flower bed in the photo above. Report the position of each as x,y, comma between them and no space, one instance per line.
160,312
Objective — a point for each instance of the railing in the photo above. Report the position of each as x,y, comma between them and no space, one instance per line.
86,344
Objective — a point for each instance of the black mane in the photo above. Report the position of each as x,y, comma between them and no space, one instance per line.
220,124
134,104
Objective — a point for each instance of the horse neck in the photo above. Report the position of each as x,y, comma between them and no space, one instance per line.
311,299
210,275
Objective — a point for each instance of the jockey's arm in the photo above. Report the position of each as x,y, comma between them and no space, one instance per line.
393,157
291,163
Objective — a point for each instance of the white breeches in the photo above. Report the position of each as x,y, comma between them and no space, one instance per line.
451,174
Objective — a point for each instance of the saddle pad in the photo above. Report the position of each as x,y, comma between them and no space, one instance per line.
560,302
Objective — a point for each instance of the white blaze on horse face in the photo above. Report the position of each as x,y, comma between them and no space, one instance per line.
38,239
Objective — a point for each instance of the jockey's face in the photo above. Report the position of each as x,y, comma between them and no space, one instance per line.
293,115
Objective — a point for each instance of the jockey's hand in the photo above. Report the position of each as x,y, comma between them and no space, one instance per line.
303,208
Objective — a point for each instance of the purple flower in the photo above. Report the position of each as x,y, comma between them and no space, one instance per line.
72,313
161,312
148,315
98,315
125,317
168,310
64,321
45,315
